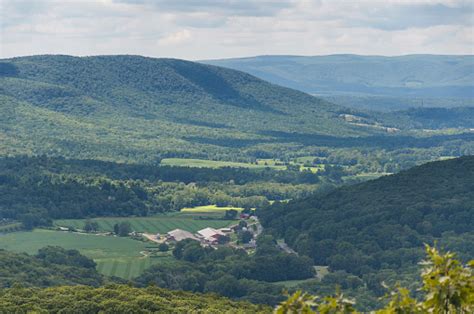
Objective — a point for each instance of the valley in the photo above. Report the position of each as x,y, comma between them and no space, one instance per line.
192,177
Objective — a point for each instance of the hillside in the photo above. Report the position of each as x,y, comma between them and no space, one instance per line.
51,266
371,82
118,299
131,107
432,118
35,190
381,224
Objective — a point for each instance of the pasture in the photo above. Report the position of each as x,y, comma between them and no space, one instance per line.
210,209
201,163
260,164
114,256
152,224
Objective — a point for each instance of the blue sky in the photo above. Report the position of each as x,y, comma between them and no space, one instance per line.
209,29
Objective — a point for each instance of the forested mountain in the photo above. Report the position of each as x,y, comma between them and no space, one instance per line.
51,266
381,224
116,107
433,118
372,82
138,110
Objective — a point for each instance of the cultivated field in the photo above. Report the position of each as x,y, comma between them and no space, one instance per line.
114,256
201,163
209,209
154,224
261,163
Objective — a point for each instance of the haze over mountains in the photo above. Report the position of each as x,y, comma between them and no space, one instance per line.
372,82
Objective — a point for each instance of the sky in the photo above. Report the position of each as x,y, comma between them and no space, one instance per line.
214,29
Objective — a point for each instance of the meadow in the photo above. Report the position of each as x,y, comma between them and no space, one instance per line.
209,209
114,256
202,163
153,224
260,163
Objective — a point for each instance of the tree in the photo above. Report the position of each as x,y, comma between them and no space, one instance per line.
91,226
163,247
230,214
449,288
245,236
122,229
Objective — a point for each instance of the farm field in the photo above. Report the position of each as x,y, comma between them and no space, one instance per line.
154,224
10,227
114,256
260,164
209,209
201,163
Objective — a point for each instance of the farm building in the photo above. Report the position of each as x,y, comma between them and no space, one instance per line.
211,235
179,235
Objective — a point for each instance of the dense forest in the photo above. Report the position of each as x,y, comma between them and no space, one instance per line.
379,225
117,299
137,110
36,190
51,266
230,272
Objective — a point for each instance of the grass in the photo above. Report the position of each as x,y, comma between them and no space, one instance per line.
201,163
261,163
209,209
154,224
288,284
114,256
11,227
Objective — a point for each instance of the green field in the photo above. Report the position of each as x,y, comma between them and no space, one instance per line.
209,209
114,256
154,224
11,227
201,163
261,163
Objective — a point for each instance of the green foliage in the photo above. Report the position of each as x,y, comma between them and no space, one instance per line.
34,190
163,247
449,288
122,229
371,232
227,271
51,266
449,285
118,299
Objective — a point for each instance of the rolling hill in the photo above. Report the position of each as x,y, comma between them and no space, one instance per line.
382,223
371,82
117,106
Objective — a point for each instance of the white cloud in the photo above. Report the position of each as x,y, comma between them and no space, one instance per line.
175,38
228,28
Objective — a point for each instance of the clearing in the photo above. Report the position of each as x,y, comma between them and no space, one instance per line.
152,224
115,256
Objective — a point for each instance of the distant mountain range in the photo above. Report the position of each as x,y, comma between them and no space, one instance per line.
371,82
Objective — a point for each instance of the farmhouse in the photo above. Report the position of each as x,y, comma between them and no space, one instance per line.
179,235
211,235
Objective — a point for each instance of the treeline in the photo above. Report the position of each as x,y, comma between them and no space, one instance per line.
51,266
447,286
230,272
36,190
370,227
